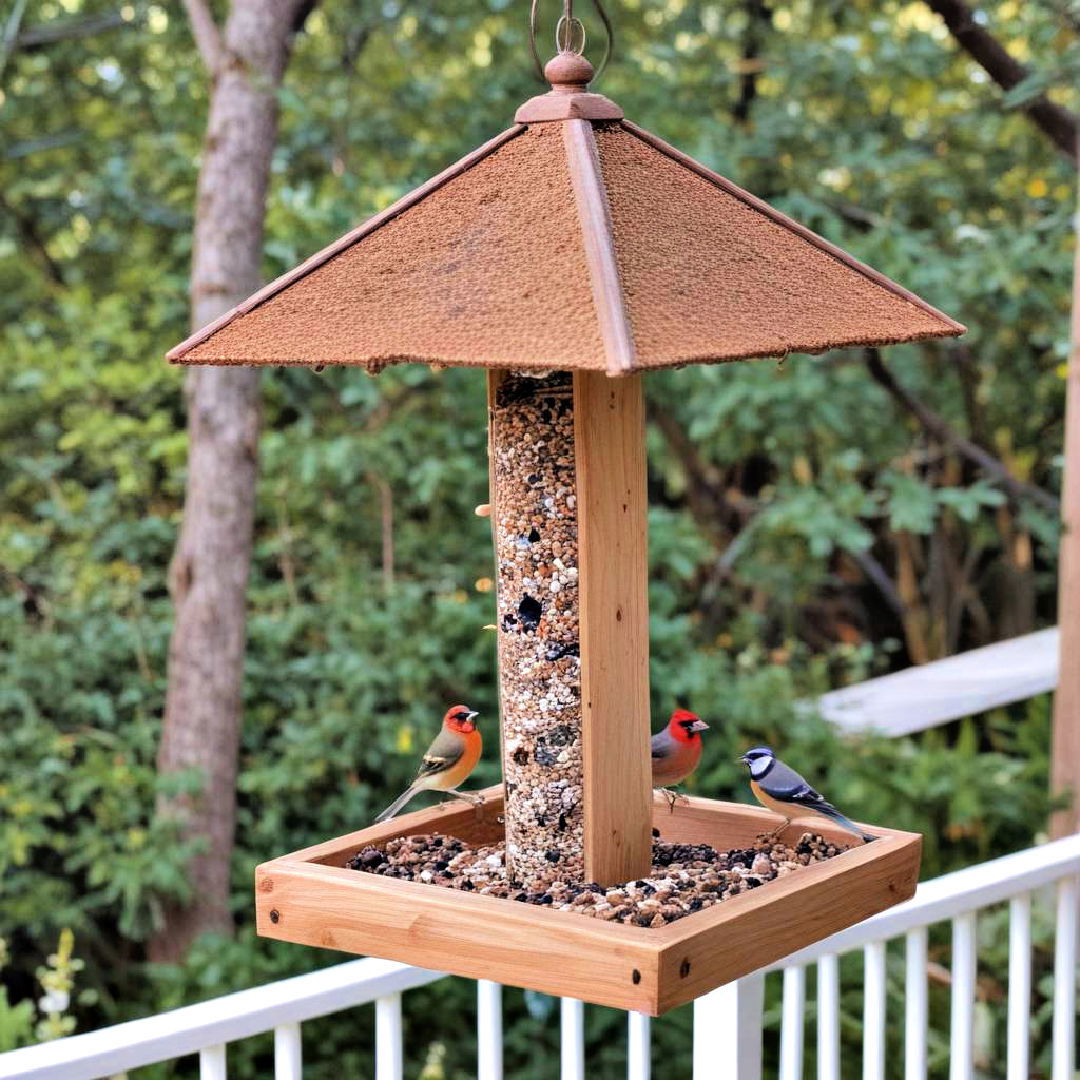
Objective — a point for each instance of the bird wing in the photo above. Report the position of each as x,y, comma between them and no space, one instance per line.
786,785
663,745
444,753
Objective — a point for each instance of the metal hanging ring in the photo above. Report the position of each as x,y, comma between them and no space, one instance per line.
609,39
570,35
574,32
532,41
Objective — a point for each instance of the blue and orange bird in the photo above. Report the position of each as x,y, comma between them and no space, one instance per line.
676,751
783,791
449,760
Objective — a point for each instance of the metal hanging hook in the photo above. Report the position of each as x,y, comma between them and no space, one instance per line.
570,35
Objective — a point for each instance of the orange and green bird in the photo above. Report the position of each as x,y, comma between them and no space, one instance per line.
448,762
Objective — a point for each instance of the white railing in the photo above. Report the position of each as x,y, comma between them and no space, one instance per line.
932,694
728,1023
957,898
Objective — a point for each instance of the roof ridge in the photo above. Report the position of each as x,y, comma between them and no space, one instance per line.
788,223
594,217
462,165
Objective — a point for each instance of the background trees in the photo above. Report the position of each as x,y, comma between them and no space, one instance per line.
208,576
808,522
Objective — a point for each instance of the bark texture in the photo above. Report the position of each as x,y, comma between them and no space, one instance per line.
209,573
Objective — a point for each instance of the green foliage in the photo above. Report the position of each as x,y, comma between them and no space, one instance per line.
56,978
866,123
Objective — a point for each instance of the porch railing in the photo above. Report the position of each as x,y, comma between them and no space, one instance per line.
728,1023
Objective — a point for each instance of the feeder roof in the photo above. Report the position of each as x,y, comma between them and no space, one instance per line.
574,240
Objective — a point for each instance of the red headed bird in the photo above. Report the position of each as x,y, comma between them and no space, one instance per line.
676,751
448,762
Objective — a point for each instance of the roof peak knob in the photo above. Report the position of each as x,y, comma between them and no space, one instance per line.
569,73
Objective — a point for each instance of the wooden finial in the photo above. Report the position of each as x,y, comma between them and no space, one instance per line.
568,99
569,73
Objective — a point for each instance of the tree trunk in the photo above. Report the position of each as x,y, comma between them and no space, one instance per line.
209,572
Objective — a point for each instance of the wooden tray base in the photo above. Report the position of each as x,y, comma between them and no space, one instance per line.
309,897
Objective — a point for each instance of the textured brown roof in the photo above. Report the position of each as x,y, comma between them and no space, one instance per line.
569,242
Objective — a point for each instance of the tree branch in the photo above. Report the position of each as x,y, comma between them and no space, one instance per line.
711,505
206,34
37,37
1055,121
33,241
876,575
751,65
936,426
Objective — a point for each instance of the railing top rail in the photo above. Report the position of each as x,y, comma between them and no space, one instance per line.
953,894
943,690
250,1012
187,1030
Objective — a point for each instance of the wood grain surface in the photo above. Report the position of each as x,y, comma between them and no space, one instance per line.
307,897
609,428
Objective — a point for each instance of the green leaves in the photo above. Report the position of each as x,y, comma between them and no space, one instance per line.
911,505
914,506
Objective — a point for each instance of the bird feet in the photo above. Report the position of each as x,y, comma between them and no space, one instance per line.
475,799
776,833
673,797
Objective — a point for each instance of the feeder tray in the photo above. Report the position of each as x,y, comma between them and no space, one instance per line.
309,897
568,255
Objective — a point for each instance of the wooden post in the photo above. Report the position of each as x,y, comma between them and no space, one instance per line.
1065,755
609,431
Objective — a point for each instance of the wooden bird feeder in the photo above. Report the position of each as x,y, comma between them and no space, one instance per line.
568,255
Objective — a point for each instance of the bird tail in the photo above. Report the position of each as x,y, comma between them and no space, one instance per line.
846,823
396,806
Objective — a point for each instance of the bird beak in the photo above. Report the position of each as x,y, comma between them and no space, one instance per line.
699,725
741,760
472,715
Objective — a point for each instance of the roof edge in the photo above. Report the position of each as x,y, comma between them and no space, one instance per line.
375,366
594,217
811,237
177,352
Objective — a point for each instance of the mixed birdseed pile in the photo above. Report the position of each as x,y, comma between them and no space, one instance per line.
536,538
685,877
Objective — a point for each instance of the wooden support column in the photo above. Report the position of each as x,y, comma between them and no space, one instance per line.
609,431
1065,755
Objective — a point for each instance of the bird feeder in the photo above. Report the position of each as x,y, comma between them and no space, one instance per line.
567,256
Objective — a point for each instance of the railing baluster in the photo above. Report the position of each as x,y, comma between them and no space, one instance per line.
916,1011
489,1035
874,1011
1065,978
828,1018
212,1063
388,1038
571,1039
1019,1022
288,1054
793,1023
638,1057
727,1031
962,1021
